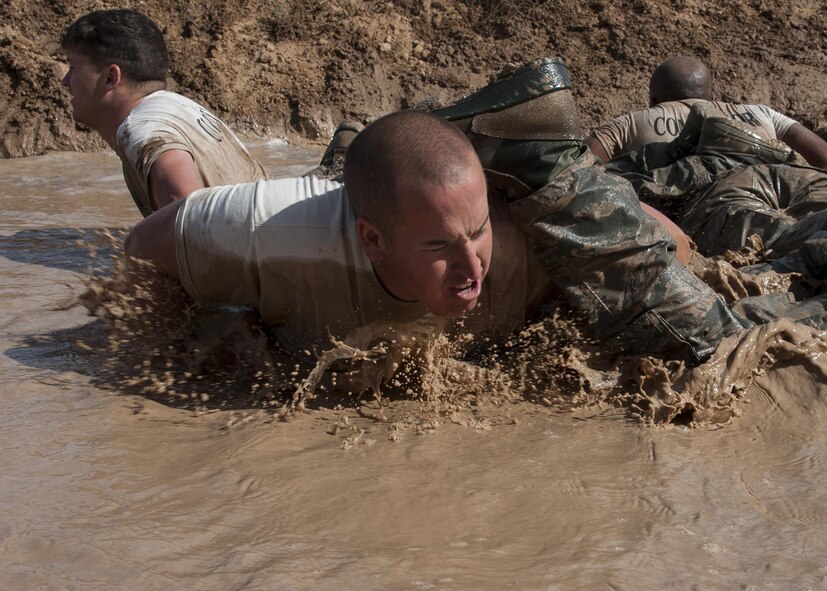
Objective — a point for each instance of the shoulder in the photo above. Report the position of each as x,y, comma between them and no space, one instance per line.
165,97
303,201
780,122
637,118
669,108
616,122
164,103
614,133
768,111
162,115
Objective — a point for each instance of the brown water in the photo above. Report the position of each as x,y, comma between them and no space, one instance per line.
107,489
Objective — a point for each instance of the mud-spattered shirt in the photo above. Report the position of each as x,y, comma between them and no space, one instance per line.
663,123
165,121
289,249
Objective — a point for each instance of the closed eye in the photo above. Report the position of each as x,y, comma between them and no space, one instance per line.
481,232
442,245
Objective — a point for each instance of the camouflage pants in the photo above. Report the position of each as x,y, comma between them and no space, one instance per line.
765,308
800,233
616,265
763,199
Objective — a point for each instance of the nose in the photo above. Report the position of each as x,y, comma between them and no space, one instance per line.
466,261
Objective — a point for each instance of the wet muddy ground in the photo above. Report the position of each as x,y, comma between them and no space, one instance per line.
107,488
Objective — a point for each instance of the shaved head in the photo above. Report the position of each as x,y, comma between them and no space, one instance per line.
680,78
401,151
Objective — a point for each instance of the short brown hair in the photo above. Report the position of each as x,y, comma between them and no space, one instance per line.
123,37
403,149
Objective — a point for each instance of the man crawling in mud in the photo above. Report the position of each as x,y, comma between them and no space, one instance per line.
677,84
417,239
169,145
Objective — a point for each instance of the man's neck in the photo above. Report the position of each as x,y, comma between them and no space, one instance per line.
120,110
378,272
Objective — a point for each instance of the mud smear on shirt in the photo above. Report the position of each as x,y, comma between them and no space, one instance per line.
160,345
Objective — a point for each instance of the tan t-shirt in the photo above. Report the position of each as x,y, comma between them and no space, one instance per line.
663,123
168,121
289,248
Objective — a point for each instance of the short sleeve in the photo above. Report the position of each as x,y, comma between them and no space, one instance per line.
780,122
614,135
215,245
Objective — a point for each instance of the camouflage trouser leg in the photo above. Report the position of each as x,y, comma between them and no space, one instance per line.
617,265
808,204
760,199
765,308
738,205
800,232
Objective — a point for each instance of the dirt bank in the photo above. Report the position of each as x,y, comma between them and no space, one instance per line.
297,67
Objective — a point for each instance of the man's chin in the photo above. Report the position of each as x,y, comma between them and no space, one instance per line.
457,311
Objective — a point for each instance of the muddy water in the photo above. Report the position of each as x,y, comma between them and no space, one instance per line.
106,489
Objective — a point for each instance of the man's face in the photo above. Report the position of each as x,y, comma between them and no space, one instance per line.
439,248
86,83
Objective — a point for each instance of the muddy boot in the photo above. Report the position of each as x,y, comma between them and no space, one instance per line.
720,135
333,159
524,126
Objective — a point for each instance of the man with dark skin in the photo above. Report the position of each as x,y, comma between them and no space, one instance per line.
677,84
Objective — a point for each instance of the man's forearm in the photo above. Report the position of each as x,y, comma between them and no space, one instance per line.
811,147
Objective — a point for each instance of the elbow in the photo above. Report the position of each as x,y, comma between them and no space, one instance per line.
138,249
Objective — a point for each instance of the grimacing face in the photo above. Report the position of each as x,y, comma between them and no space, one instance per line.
439,248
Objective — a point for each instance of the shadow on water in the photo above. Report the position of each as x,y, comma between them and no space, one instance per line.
157,345
204,358
187,376
227,364
70,249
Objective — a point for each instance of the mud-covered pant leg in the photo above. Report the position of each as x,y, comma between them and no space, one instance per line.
803,189
807,202
742,203
772,306
761,199
799,233
617,265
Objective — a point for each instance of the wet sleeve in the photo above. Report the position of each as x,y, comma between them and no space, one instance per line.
780,122
616,266
613,135
144,141
215,246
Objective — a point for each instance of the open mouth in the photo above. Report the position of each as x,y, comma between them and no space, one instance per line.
470,290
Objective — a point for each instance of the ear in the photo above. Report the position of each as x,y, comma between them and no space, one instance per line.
114,76
371,240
